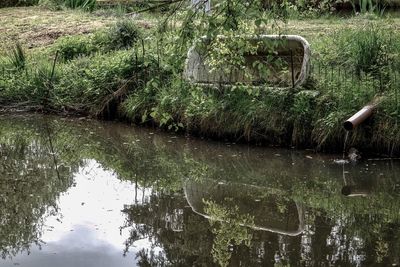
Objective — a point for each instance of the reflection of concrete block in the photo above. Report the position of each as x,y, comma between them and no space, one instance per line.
278,53
202,4
269,209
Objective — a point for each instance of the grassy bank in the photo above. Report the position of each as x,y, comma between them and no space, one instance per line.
123,68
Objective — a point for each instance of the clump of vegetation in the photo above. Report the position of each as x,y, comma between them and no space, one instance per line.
74,46
365,50
110,72
88,5
17,57
124,34
11,3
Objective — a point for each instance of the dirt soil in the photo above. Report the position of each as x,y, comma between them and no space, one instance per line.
39,27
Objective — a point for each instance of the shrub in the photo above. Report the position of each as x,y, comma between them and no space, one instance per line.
124,34
75,46
87,81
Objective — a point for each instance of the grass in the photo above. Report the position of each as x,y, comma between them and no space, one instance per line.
104,70
37,28
17,57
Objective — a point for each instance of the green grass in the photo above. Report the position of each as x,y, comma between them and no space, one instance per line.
17,57
108,73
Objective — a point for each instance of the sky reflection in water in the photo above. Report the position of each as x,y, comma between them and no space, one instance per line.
115,195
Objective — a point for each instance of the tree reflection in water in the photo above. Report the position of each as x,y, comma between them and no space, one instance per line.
240,219
29,186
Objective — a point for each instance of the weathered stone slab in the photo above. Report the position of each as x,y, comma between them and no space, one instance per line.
287,58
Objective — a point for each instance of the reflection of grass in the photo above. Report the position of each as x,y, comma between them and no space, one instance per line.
29,185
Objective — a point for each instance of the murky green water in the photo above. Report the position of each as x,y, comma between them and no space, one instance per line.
85,193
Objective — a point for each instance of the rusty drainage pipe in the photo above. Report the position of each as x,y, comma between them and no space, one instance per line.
360,116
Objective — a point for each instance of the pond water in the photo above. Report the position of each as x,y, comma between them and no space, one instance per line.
87,193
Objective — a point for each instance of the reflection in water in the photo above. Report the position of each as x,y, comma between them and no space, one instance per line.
269,208
29,188
85,193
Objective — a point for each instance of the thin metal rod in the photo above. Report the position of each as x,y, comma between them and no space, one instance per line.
54,66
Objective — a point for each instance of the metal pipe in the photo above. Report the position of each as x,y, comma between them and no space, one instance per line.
359,117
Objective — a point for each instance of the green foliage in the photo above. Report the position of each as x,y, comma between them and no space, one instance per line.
8,3
226,226
17,57
124,34
87,5
75,46
32,85
306,8
87,82
366,50
51,4
95,67
371,48
369,7
11,3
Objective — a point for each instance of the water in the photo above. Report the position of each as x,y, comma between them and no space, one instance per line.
84,193
346,137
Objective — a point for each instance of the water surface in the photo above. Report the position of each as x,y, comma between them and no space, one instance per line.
85,193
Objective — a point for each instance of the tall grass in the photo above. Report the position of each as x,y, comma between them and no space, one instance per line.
124,34
369,6
17,57
88,5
